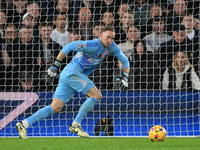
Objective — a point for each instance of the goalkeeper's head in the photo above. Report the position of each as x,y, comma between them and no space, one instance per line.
107,36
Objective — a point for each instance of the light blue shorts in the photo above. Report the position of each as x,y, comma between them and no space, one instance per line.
70,82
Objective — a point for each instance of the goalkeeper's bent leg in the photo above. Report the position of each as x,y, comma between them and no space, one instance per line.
85,108
40,114
75,127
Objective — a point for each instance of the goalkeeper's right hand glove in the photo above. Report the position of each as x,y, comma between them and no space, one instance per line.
123,81
53,71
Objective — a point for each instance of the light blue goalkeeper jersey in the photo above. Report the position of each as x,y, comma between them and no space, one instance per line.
90,54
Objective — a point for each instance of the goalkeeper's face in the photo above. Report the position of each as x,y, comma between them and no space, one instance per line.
107,38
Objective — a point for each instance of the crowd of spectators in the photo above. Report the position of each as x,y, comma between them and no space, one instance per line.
160,38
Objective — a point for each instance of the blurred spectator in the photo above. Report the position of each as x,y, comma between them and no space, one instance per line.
98,26
63,7
133,34
48,53
46,9
2,24
180,8
157,37
142,74
26,79
166,6
165,54
156,10
27,54
127,47
48,48
141,10
196,23
78,4
174,17
85,23
123,8
108,18
11,33
27,82
144,67
24,56
34,9
193,36
60,34
11,40
15,15
74,35
187,21
107,5
10,43
28,20
180,75
126,19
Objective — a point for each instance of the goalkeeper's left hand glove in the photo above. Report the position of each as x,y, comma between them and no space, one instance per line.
124,82
53,71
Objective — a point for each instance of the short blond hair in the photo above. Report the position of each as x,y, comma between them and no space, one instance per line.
108,28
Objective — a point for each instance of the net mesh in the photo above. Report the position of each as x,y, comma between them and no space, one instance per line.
159,37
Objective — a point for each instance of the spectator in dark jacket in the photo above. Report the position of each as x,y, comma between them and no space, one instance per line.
193,36
48,53
15,15
165,53
143,74
143,68
174,17
24,55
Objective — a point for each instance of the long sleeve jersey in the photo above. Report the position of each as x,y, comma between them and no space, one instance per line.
90,54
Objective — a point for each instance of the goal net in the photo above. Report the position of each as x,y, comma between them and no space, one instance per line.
159,37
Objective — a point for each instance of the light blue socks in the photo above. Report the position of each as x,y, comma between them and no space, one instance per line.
85,108
47,111
40,114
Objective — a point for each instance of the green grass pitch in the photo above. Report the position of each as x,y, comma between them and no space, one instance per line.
115,143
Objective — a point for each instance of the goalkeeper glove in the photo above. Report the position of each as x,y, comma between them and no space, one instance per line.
53,71
124,82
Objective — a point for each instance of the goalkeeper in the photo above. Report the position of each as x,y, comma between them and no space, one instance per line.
74,78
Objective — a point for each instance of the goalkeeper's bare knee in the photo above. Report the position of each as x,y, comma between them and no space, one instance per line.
98,96
95,93
57,105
